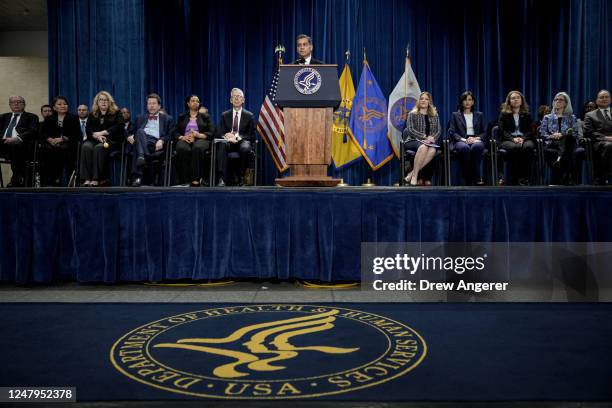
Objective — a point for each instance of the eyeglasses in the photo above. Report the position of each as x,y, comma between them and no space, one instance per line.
16,102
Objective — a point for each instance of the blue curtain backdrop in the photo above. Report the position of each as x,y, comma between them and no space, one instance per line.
132,47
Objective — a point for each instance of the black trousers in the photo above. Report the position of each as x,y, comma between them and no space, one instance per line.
94,160
55,159
602,157
193,160
17,154
243,148
563,148
520,159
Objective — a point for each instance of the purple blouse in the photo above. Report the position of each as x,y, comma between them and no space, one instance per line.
192,125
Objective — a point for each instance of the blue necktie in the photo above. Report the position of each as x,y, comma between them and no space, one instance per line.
11,126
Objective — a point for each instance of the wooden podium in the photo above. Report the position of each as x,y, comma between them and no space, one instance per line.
308,95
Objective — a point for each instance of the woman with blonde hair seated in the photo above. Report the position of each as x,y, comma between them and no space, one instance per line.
420,135
105,133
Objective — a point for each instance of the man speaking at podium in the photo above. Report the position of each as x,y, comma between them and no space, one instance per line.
304,49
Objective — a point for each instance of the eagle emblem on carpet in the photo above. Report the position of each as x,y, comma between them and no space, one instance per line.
268,351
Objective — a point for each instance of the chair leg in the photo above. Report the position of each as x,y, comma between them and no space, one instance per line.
494,156
212,172
447,172
255,163
589,151
402,181
121,164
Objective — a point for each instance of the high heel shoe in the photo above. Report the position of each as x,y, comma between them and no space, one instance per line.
408,177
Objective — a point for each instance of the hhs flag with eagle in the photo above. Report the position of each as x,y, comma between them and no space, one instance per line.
401,101
368,123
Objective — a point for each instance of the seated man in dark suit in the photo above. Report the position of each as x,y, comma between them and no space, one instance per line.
17,129
153,131
304,49
83,114
598,128
237,127
129,131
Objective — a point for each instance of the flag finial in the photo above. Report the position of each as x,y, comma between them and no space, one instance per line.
347,54
279,51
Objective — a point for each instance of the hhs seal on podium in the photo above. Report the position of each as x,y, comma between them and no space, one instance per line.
307,81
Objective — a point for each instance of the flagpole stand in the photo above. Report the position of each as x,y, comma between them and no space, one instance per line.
342,183
368,183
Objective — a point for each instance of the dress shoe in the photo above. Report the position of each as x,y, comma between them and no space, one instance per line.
523,182
104,183
240,182
137,182
140,162
221,183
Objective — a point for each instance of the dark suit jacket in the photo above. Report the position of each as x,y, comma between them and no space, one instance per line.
203,120
507,126
113,123
313,61
130,128
166,125
457,128
27,127
596,127
246,127
71,128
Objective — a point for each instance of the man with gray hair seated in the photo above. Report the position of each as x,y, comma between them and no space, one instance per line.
18,129
237,128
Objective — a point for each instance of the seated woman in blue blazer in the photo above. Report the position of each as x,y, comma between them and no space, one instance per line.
466,132
559,130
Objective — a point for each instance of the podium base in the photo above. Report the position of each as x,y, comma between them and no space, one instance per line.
307,181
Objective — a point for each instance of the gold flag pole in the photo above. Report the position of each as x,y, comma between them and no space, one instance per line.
347,55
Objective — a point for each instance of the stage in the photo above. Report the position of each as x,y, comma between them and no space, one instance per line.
152,235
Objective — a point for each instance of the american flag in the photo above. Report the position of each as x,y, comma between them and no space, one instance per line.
270,126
